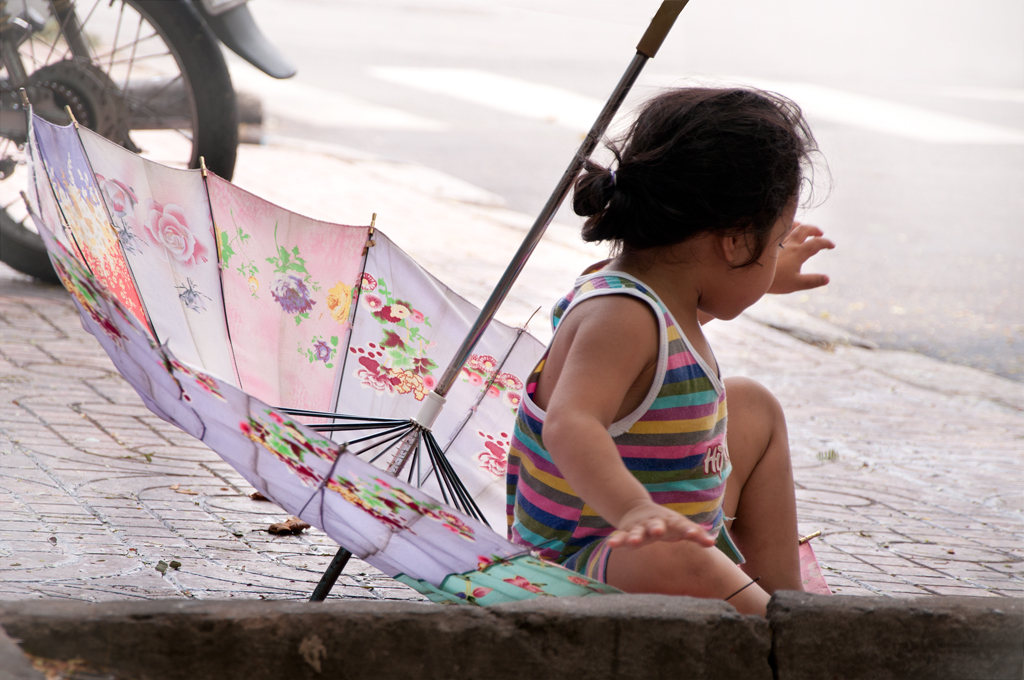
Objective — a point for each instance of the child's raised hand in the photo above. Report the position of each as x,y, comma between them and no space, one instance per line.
649,522
802,242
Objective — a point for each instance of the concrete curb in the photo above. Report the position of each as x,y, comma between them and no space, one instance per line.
882,638
14,663
623,636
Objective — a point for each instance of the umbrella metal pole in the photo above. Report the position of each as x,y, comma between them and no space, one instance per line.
330,576
540,225
646,49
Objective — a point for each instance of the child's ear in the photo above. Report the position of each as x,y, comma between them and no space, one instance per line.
731,248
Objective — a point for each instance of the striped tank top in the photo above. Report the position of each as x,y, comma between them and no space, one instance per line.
673,443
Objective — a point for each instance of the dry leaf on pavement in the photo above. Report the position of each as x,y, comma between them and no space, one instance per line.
293,525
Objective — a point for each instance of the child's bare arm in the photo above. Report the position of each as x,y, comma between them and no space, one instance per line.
615,339
802,242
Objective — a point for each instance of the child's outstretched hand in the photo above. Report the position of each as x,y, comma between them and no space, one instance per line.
650,522
802,242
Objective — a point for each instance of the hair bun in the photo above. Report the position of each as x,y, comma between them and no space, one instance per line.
594,189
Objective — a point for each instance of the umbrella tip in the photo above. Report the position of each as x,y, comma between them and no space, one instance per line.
809,537
74,121
28,204
202,166
369,235
24,97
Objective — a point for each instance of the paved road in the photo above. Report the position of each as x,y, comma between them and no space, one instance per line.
911,467
919,108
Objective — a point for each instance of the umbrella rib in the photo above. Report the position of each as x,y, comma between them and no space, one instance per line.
119,245
390,442
442,481
339,416
352,321
402,428
415,461
452,478
483,392
355,427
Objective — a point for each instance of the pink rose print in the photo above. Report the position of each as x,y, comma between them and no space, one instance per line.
417,316
429,382
493,392
373,302
165,225
119,197
474,379
477,593
579,580
521,582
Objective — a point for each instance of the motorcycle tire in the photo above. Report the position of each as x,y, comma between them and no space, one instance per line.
215,118
23,250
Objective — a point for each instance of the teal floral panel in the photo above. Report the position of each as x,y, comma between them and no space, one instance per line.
497,579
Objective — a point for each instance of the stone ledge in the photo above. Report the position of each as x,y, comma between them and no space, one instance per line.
620,636
882,638
599,637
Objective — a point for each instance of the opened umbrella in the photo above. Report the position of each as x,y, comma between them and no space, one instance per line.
215,305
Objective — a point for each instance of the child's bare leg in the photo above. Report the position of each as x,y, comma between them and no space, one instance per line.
759,492
683,568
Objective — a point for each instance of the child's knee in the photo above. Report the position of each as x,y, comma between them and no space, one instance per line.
748,398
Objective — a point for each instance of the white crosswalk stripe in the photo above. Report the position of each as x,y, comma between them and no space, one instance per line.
502,93
870,113
577,112
315,106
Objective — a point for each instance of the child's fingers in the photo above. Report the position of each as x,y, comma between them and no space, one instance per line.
812,247
688,531
808,281
800,232
657,529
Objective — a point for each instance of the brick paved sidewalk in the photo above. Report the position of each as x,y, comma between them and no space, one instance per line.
911,468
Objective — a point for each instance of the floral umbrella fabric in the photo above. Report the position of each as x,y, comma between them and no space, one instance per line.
298,313
220,309
214,304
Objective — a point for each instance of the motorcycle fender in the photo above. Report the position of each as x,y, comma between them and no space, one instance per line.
238,31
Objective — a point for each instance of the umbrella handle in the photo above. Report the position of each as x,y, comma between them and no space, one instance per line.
660,25
646,49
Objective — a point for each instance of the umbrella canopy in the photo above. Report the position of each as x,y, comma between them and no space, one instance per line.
219,308
295,312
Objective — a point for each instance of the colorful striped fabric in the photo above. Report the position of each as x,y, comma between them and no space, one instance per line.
674,444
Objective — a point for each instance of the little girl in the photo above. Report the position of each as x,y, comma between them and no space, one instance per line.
621,466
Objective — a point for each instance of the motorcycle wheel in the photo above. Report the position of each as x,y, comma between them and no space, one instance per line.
205,125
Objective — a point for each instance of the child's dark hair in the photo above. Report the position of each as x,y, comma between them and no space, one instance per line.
698,160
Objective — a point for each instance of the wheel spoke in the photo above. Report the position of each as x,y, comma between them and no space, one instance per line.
117,33
143,70
128,76
142,58
132,45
